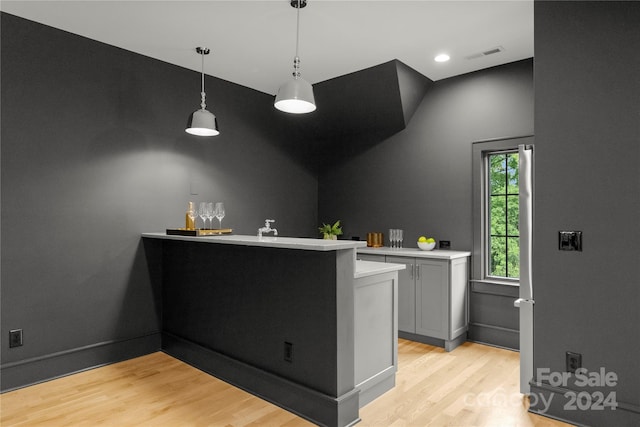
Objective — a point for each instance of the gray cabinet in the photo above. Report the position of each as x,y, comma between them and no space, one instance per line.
441,299
432,278
375,334
406,293
406,289
432,298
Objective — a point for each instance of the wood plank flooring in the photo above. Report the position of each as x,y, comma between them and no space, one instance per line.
474,385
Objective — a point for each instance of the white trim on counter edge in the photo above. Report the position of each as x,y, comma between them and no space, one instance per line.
269,242
415,252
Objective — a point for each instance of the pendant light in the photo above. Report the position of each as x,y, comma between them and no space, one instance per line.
202,122
296,96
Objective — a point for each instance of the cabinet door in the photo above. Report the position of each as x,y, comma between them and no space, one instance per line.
432,279
406,294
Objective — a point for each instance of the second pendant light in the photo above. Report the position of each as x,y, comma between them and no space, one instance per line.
202,122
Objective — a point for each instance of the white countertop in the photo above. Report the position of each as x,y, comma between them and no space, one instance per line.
415,252
370,268
266,241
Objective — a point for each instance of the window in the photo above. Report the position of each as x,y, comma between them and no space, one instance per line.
496,210
503,243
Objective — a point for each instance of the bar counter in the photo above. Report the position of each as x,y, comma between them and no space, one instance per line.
295,321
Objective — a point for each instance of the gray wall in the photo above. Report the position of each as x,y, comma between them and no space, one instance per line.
93,154
587,89
420,179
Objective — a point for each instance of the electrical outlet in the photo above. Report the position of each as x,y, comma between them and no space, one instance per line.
15,338
288,352
573,361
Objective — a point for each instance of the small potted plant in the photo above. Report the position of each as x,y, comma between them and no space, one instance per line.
331,232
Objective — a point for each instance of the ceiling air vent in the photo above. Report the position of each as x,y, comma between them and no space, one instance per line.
485,53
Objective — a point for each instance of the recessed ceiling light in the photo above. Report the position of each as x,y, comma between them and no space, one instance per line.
443,57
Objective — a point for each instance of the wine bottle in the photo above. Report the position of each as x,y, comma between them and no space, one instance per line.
189,219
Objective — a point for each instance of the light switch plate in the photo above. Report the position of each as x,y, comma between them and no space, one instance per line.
570,240
194,187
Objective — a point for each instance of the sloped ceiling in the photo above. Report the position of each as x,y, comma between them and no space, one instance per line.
358,110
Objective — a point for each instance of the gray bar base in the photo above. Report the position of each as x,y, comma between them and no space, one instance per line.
319,408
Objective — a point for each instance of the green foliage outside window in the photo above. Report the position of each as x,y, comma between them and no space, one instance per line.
504,236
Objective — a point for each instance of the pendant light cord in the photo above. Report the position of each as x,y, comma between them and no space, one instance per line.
298,28
203,95
296,60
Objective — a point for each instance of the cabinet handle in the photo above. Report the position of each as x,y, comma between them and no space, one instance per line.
411,271
417,272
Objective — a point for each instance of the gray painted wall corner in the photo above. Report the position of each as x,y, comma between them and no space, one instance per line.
587,178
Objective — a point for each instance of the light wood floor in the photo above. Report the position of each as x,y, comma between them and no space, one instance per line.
475,385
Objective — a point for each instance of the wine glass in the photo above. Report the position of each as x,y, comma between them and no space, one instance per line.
219,212
392,237
193,214
202,212
210,213
399,234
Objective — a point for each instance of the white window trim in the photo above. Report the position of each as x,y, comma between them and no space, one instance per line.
480,149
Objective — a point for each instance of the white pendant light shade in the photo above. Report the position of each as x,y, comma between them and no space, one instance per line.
295,96
202,123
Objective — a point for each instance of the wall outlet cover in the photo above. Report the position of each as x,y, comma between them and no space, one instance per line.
288,352
570,241
15,338
573,361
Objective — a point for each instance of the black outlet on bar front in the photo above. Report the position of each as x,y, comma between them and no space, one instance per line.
288,352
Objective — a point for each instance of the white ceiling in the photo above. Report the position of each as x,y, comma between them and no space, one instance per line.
253,42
